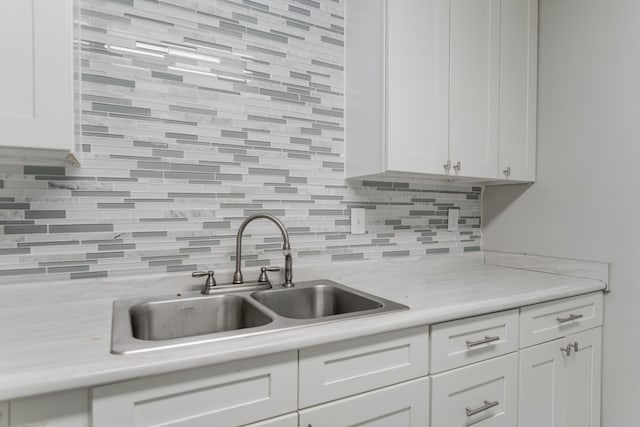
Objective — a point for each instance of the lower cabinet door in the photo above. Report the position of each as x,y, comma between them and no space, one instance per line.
225,395
480,395
584,368
290,420
401,405
542,385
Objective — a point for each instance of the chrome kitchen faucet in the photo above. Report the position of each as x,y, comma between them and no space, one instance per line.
286,248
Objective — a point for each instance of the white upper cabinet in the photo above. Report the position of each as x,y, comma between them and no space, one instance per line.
441,88
36,106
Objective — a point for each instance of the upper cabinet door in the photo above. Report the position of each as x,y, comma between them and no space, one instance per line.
417,94
36,106
474,87
518,89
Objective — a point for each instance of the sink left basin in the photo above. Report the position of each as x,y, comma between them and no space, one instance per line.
142,324
177,318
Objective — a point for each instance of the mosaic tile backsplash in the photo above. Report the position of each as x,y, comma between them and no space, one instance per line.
195,114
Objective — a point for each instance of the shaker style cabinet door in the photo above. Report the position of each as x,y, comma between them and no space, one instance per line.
518,89
542,385
474,87
584,376
36,106
402,405
417,95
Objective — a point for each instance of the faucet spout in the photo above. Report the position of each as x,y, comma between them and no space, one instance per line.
286,248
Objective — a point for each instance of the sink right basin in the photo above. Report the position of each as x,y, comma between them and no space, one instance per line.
316,301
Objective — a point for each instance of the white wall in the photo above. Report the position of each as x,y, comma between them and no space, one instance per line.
586,202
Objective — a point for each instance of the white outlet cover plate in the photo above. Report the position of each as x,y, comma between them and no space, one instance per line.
453,217
357,220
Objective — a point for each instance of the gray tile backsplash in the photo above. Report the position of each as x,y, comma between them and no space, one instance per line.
197,113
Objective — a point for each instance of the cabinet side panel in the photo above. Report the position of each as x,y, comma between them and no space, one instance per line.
518,89
364,87
418,85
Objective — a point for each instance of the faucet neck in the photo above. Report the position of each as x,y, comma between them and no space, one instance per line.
286,246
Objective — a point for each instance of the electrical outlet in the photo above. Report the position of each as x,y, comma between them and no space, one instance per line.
357,220
453,217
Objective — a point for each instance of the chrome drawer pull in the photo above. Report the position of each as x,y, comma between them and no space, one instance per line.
570,317
487,405
487,339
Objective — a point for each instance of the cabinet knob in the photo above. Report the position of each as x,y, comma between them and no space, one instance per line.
507,171
447,166
457,166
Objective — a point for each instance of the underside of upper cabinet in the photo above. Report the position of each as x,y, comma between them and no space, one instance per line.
441,89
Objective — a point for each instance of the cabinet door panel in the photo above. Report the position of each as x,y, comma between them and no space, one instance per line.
488,389
332,371
402,405
229,394
542,386
36,106
474,87
417,85
459,342
584,379
518,89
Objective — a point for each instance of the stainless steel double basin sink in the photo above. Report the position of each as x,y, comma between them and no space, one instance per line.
153,323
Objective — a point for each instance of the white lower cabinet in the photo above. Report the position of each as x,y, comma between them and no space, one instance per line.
401,405
229,394
482,395
560,382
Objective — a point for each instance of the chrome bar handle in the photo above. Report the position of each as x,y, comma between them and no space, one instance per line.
569,318
457,166
507,171
487,405
447,166
487,339
566,350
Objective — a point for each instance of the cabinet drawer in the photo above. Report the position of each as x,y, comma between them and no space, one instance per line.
466,341
290,420
401,405
228,394
555,319
482,395
332,371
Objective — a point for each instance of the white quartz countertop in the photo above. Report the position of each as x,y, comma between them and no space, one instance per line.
57,336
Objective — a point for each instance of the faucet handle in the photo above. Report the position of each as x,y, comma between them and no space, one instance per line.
211,282
263,278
